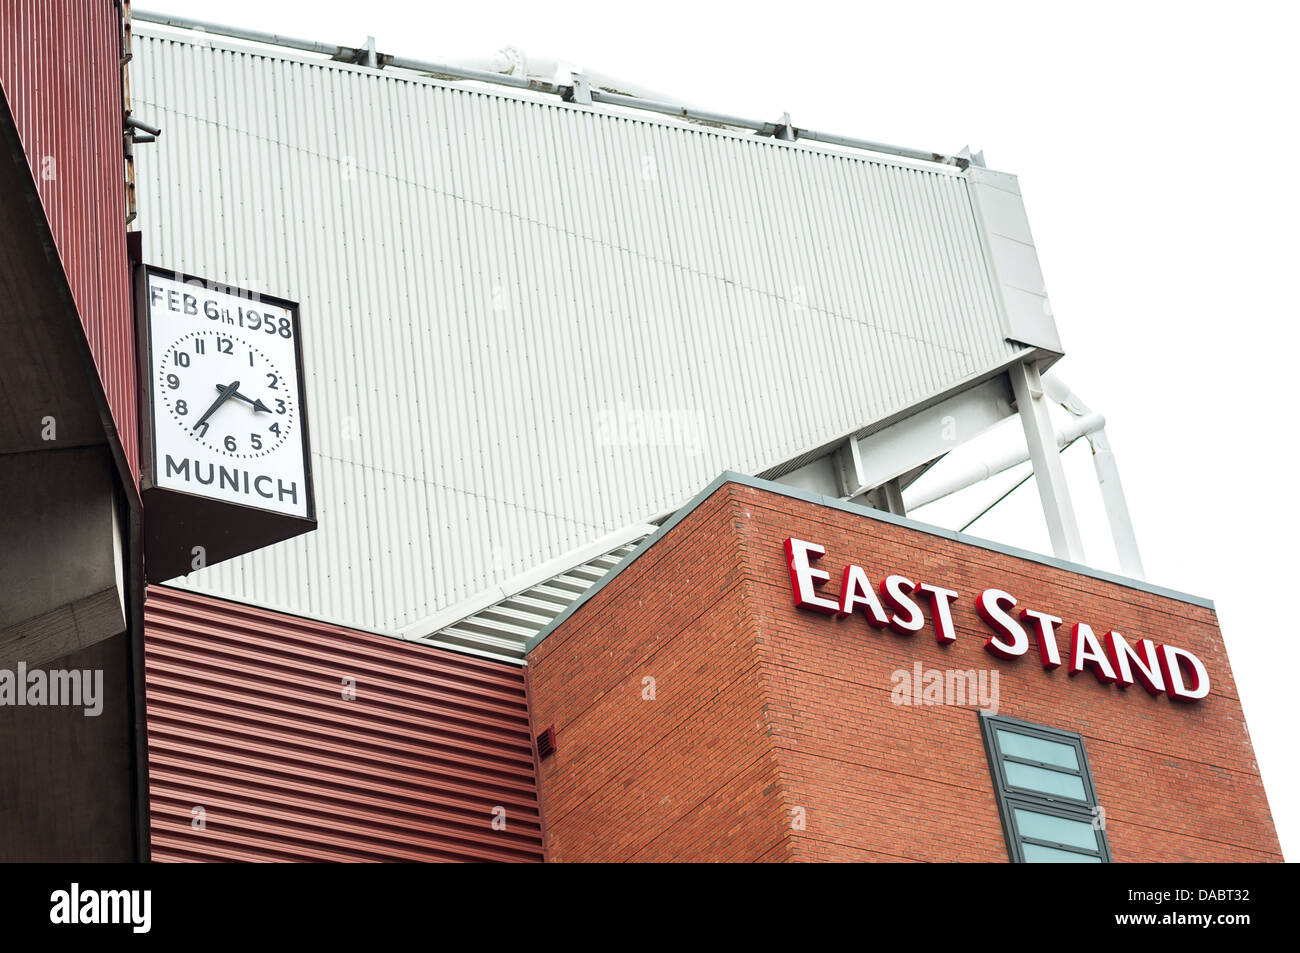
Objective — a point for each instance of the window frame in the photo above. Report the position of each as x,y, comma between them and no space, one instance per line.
1010,797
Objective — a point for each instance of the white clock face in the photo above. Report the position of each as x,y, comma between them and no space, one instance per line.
227,416
227,394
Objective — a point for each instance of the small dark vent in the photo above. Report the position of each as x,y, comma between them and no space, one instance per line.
546,743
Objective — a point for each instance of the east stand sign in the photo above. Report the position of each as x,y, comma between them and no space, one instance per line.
226,466
896,604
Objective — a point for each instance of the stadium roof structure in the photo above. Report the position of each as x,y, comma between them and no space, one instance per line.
538,316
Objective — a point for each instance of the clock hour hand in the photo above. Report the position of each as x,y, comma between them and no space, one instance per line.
226,394
257,404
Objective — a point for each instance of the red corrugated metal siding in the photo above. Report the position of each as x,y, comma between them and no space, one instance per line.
61,73
247,721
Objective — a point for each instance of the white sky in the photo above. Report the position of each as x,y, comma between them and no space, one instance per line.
1170,264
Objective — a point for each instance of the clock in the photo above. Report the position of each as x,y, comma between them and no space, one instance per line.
197,381
226,464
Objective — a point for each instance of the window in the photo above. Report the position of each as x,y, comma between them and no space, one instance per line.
1045,793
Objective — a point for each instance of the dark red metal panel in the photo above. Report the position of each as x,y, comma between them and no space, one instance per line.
60,67
248,721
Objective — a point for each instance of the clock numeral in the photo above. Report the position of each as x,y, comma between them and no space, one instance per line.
183,408
275,382
200,346
180,359
173,381
275,429
201,429
257,440
280,406
250,358
225,345
230,444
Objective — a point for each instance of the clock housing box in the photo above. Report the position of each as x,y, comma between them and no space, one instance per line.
225,452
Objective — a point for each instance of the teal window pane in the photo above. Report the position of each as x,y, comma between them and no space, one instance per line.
1038,749
1059,830
1044,780
1050,855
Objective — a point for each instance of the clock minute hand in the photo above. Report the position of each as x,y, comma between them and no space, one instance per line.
257,404
226,394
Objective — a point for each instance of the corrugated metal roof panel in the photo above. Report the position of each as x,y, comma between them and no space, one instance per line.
530,323
505,627
247,720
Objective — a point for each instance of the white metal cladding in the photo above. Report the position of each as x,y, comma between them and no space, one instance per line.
529,323
505,627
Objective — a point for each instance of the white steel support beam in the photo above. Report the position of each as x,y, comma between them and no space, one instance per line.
892,495
1049,474
1112,495
1112,491
898,450
850,469
888,497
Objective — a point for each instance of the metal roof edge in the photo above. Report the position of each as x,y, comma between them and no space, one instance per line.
781,489
430,625
337,622
159,31
726,476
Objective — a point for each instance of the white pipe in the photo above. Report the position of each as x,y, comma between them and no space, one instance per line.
1055,388
512,61
616,84
918,496
1049,475
1084,423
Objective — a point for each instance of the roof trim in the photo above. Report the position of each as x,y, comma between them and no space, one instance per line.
176,34
780,489
431,625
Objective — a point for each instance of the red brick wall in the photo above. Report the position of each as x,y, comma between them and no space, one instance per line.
762,708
